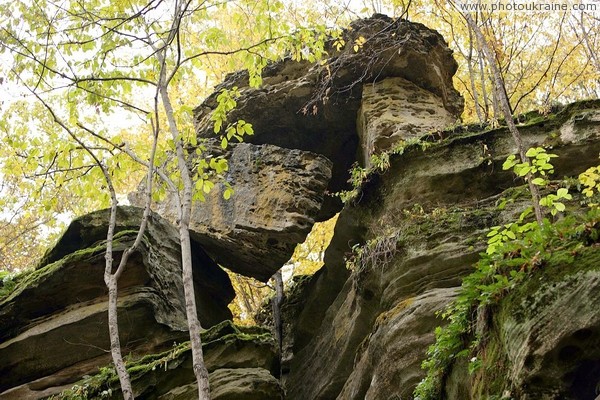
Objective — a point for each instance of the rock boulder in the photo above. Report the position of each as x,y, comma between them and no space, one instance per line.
314,107
277,195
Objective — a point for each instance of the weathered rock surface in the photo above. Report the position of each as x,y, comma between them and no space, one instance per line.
53,326
278,194
425,221
395,111
383,355
233,384
241,362
551,333
245,384
542,342
406,275
304,108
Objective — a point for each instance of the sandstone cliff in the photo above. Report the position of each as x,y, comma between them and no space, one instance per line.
360,327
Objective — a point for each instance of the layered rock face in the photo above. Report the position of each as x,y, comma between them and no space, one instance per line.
277,194
421,226
241,362
53,326
395,111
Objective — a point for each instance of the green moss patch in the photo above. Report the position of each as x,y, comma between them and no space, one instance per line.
32,278
106,383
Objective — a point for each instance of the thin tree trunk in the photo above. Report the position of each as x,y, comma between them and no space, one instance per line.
185,207
506,110
277,320
495,104
486,100
111,279
115,343
192,315
246,293
588,46
472,78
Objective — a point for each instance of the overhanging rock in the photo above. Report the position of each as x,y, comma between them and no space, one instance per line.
314,107
305,123
278,193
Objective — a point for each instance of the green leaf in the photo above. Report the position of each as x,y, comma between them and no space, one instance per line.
546,201
509,162
207,187
525,213
217,127
534,151
562,193
522,169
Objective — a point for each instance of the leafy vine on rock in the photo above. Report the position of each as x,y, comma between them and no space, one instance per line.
514,253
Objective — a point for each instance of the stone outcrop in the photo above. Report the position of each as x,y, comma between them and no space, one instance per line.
314,107
380,358
53,326
424,223
245,384
394,112
551,332
241,363
543,340
306,109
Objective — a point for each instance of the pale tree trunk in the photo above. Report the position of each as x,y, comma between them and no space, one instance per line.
506,110
495,104
478,109
592,54
192,316
185,208
484,95
115,343
110,279
246,293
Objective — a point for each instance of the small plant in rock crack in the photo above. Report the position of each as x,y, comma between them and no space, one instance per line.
378,163
375,253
